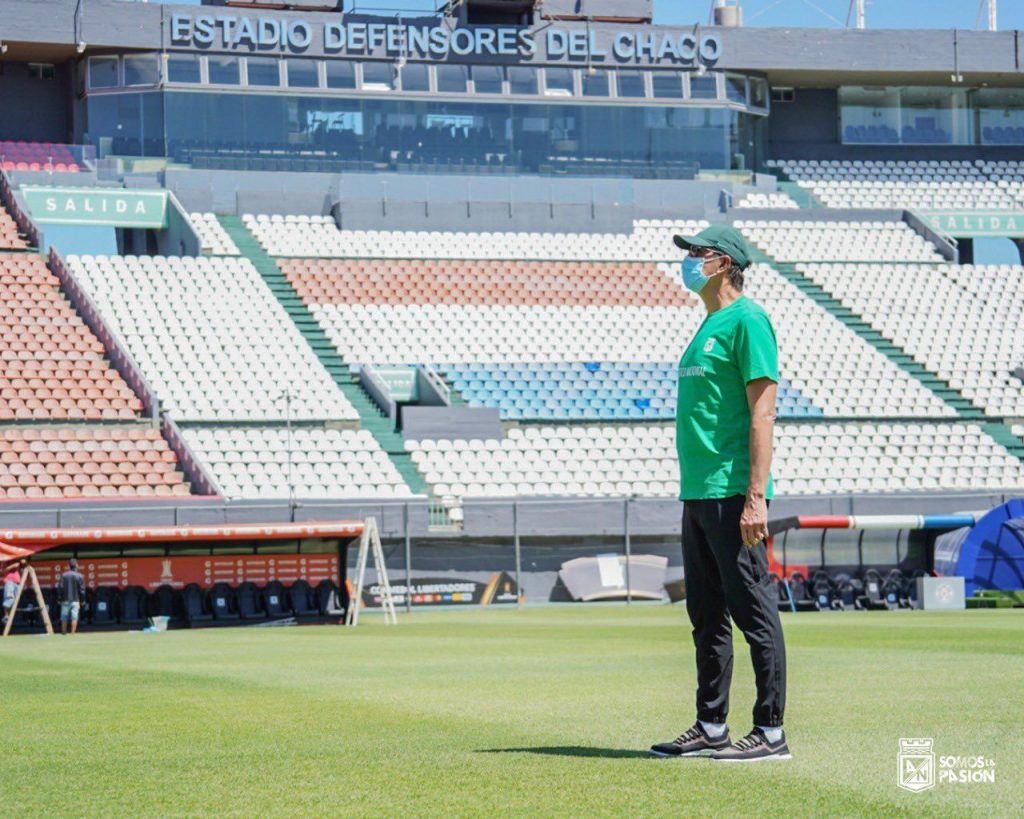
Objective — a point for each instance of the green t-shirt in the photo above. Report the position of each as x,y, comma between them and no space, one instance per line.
734,345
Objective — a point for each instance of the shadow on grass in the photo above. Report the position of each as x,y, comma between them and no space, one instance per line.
571,750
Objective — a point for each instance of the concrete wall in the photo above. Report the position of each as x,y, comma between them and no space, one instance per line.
812,118
34,109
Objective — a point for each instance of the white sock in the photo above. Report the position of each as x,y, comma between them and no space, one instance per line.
713,729
773,734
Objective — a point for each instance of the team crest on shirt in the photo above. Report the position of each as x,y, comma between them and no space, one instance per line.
709,345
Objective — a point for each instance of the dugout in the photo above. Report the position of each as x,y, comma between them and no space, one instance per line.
197,576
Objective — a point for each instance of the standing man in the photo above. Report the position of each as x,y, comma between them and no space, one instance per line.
71,593
725,418
12,579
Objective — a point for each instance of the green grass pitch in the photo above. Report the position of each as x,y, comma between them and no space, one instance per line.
541,712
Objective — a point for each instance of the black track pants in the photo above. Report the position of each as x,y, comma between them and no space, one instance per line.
723,578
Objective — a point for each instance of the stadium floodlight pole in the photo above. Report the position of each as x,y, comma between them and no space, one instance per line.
992,16
861,21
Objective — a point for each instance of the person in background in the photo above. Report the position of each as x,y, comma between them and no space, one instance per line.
71,594
12,579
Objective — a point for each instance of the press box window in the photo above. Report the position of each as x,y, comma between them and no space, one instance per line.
783,95
630,84
703,88
303,74
341,74
42,71
103,72
141,69
596,84
452,78
183,68
736,89
223,70
667,85
488,79
522,80
558,82
415,77
263,71
378,77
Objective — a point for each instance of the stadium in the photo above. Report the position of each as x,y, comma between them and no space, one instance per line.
325,315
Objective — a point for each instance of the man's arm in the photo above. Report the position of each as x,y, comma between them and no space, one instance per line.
761,394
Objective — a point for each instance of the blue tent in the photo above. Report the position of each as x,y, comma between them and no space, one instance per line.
988,555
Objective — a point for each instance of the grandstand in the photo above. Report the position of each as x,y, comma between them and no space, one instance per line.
315,281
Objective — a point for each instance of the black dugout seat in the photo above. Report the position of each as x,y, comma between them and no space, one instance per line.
329,599
103,606
250,606
274,603
194,603
300,600
222,602
133,606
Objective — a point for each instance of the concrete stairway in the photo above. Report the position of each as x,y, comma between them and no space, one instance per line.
964,408
371,417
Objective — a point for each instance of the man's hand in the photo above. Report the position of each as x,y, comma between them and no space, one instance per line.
754,520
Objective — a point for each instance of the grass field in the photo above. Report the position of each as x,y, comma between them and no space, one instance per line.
543,712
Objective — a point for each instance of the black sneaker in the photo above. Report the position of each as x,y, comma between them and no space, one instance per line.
754,747
694,742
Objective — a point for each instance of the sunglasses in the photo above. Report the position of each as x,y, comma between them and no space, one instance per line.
705,252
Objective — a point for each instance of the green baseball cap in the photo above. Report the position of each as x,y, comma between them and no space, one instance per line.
723,238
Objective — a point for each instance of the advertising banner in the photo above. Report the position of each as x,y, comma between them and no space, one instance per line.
177,572
447,591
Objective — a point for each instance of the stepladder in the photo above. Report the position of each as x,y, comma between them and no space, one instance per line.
29,574
369,542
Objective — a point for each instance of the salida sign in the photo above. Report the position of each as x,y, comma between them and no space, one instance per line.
97,206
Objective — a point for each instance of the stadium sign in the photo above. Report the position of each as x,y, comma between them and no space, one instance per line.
967,224
98,206
298,36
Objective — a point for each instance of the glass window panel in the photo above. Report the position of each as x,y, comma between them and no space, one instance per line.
558,82
758,93
703,88
452,78
341,74
595,84
378,76
303,73
183,68
1000,113
264,71
736,89
934,116
880,547
223,70
630,84
487,79
141,69
870,115
415,77
667,85
103,72
522,80
841,548
320,133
